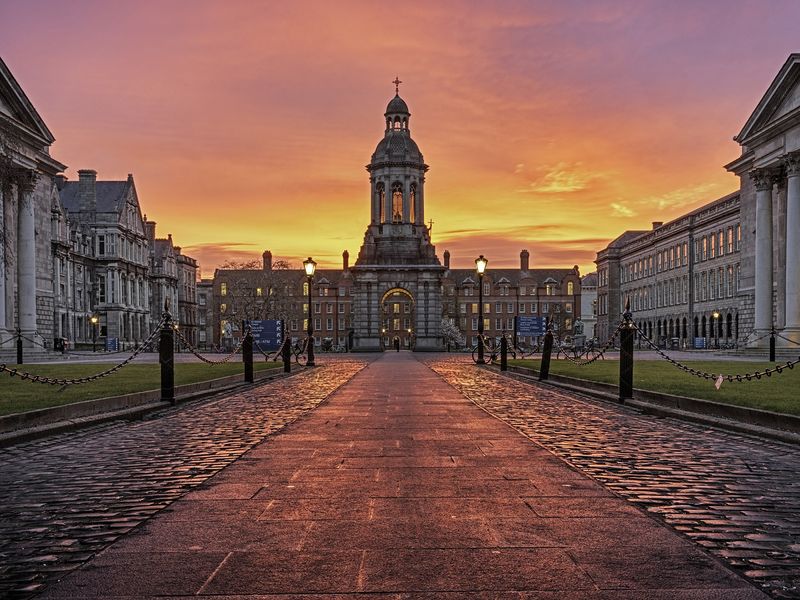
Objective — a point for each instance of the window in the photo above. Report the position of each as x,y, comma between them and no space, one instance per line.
222,308
522,290
730,240
317,324
343,291
487,324
412,202
570,288
658,264
712,245
730,277
330,308
498,323
474,308
463,308
487,288
510,323
672,258
685,259
341,309
509,308
568,307
380,198
259,292
329,324
474,324
487,307
396,308
305,289
101,245
721,242
317,308
498,307
550,289
738,236
545,308
522,308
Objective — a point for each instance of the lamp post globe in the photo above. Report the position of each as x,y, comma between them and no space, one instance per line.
480,267
94,320
715,316
310,267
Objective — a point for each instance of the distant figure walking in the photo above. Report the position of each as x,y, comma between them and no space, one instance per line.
397,344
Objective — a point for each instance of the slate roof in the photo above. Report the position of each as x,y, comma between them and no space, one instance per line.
110,195
589,280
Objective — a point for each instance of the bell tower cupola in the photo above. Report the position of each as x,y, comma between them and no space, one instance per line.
397,170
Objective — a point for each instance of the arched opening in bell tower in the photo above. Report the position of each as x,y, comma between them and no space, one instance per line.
412,203
397,202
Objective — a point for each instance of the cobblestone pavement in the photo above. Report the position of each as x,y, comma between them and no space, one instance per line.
737,496
64,498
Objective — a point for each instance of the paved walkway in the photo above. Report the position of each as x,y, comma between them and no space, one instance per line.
400,486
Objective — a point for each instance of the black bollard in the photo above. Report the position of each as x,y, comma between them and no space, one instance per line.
19,348
287,355
772,346
503,354
626,362
166,356
247,356
544,368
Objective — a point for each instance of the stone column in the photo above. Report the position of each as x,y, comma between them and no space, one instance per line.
792,330
762,178
3,241
406,201
26,257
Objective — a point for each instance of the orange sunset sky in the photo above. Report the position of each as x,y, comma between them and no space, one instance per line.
552,126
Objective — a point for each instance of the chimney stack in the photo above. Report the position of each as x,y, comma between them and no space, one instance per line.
657,224
61,179
150,230
524,260
87,190
266,259
345,260
447,259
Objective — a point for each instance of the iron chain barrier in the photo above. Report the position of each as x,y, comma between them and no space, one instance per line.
718,377
33,378
188,345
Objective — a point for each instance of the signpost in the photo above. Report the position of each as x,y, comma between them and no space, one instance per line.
530,326
112,344
268,334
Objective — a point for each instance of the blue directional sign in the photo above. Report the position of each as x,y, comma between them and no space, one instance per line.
112,344
532,326
268,334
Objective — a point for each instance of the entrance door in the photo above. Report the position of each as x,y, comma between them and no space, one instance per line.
397,319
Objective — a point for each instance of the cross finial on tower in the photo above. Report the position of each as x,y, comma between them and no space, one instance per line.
397,83
430,225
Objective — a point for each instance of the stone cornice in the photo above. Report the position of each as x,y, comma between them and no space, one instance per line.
379,165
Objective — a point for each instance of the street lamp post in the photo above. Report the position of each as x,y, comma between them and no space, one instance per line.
310,266
480,266
715,314
94,320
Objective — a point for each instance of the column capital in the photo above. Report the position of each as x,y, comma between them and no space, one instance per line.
26,179
761,179
791,162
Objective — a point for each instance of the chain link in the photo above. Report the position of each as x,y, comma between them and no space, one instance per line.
783,337
27,376
715,376
267,356
187,344
600,352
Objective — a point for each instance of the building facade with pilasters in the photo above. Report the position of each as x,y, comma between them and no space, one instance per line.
769,172
27,188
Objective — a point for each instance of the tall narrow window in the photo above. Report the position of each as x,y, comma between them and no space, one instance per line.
380,192
412,202
397,203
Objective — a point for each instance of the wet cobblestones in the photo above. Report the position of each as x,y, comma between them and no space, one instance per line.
736,496
64,498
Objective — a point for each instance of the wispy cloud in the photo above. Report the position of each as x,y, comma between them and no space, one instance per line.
620,210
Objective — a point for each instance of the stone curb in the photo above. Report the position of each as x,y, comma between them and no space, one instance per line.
19,427
761,423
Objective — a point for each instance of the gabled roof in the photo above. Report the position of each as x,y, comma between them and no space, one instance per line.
110,196
512,276
13,100
782,97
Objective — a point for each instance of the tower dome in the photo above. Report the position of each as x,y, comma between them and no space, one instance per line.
397,106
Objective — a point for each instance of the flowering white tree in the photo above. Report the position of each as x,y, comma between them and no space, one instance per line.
452,335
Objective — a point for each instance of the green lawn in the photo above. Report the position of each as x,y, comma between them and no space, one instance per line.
777,393
17,395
